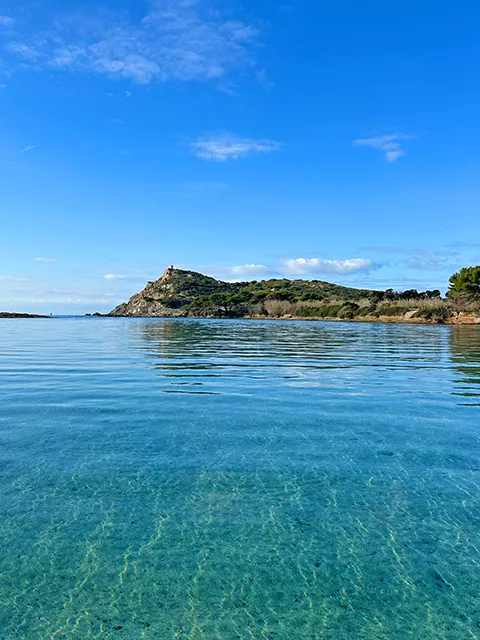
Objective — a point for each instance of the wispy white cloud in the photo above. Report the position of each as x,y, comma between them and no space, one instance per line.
390,145
304,266
116,121
23,50
46,259
114,276
463,245
176,40
248,270
6,21
25,149
227,146
9,278
431,260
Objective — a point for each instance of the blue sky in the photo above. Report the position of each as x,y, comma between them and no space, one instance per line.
330,140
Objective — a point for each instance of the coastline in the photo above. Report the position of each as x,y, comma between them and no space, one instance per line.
188,294
458,318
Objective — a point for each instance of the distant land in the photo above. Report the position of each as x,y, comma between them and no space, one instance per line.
180,294
8,314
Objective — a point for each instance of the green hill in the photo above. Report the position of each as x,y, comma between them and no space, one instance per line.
188,293
180,293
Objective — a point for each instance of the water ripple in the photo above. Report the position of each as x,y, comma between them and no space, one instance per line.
187,479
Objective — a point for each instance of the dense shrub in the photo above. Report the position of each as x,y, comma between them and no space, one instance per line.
348,311
318,310
436,315
173,303
466,304
368,310
393,309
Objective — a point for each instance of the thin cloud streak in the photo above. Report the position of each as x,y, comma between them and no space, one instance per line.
224,147
423,260
46,259
404,193
114,276
28,148
14,278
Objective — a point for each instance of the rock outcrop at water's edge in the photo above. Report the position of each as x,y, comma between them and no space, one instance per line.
158,299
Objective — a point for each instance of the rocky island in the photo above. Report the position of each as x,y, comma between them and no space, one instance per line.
180,294
8,314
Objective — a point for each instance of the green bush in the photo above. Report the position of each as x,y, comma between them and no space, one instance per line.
319,311
437,315
173,303
392,310
348,311
370,310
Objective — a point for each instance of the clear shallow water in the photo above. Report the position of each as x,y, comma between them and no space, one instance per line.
219,479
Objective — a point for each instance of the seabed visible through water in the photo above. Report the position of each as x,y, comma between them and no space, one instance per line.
186,479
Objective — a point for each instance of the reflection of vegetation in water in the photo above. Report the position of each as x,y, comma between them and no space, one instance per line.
173,344
171,339
465,348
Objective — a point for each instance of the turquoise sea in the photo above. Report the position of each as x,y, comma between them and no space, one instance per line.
184,479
